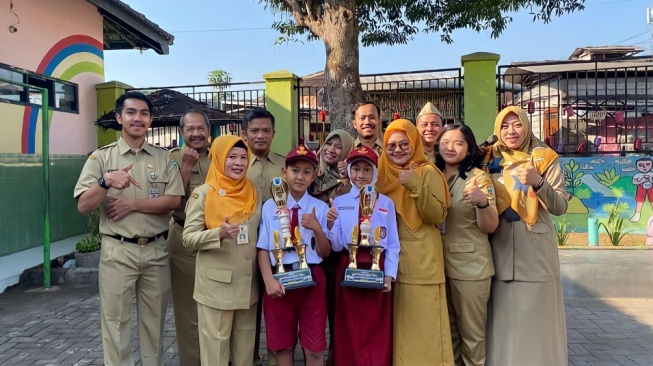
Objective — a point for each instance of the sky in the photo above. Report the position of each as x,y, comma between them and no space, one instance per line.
206,39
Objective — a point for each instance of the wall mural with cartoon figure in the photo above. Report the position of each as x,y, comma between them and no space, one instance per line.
618,191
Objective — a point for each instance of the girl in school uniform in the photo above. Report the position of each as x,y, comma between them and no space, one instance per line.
363,317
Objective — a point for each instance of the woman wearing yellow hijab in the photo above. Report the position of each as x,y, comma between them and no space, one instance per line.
222,218
526,318
421,334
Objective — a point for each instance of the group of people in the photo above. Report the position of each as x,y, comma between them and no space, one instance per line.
470,265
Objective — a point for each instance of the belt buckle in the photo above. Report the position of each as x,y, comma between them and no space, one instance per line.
143,241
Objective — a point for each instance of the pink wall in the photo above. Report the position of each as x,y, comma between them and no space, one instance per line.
61,39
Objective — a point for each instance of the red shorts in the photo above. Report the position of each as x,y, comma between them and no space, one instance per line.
305,308
642,193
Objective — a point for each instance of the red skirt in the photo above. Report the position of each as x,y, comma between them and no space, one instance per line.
363,320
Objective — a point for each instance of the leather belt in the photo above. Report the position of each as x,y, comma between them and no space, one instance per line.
139,240
179,221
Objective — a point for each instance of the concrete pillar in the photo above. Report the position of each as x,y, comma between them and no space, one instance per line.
281,101
107,93
480,90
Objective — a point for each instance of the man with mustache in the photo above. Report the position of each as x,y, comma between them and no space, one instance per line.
135,185
429,124
193,159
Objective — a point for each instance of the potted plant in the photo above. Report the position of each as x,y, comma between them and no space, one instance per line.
87,250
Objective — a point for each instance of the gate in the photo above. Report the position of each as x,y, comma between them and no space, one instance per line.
398,94
225,105
584,106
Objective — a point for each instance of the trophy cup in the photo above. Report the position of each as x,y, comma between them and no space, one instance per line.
283,242
354,276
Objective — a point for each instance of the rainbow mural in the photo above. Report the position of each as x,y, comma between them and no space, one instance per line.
69,57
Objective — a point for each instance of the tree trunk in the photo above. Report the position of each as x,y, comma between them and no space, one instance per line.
339,32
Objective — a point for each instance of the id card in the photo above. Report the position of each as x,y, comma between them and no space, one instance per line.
243,234
154,192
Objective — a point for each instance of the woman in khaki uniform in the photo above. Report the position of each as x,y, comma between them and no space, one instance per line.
467,254
222,218
526,317
421,334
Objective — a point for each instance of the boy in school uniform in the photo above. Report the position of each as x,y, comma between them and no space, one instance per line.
363,317
303,308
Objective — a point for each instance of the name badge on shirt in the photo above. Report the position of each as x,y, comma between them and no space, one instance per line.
154,192
243,235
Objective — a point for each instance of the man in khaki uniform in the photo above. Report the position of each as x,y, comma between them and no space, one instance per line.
194,162
135,185
429,123
258,131
368,124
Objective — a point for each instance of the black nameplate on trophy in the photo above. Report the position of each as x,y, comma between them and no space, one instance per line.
296,279
363,278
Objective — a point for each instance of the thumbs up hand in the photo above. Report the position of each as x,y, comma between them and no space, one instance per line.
527,174
228,231
310,221
405,175
473,195
332,214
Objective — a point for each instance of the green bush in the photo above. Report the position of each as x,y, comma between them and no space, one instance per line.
92,237
615,226
563,230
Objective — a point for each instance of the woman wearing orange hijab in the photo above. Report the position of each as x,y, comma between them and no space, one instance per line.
526,317
222,218
421,334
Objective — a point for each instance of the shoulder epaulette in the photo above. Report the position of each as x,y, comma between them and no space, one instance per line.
107,146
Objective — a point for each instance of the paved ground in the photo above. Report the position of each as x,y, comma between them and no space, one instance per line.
609,307
61,327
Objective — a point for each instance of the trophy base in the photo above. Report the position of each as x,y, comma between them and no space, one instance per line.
295,279
363,278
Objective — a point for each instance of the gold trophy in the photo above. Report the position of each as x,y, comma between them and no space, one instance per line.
373,277
283,242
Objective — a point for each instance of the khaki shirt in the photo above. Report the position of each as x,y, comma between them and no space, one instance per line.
467,253
421,259
226,272
197,176
531,255
261,172
378,145
153,169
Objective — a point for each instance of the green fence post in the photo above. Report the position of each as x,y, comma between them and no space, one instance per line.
480,92
107,93
281,101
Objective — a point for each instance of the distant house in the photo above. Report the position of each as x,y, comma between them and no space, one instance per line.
397,94
600,99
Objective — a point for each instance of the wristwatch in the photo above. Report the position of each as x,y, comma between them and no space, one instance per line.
102,183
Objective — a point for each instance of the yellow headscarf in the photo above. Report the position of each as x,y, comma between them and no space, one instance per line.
388,182
522,197
328,176
235,199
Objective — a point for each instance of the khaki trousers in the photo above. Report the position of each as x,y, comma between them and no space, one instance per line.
225,335
182,275
127,269
468,304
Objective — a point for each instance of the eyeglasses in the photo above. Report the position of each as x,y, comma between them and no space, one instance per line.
404,145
